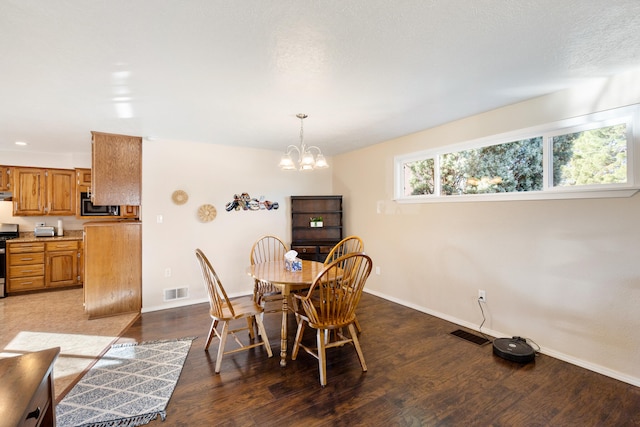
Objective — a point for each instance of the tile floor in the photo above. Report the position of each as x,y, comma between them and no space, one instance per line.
42,320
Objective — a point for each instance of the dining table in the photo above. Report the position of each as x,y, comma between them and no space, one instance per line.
287,281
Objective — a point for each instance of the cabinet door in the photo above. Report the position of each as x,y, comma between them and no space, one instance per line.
61,192
4,178
83,177
29,192
116,169
129,211
61,268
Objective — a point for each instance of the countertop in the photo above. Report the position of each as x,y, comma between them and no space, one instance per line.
29,237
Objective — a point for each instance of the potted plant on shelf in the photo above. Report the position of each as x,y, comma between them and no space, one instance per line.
315,221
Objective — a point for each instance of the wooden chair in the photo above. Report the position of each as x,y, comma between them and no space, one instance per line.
267,248
330,305
347,245
222,310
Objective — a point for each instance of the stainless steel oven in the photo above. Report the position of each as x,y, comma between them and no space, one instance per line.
7,231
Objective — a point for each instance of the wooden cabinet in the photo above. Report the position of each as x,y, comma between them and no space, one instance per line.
112,268
62,260
39,192
315,243
25,266
5,175
26,389
83,178
40,265
83,185
116,166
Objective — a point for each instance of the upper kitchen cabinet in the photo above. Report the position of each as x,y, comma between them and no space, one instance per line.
38,192
116,169
4,178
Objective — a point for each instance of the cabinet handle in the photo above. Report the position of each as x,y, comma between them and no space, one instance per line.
26,259
34,414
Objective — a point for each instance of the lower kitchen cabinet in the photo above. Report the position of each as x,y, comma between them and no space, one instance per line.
62,259
40,265
25,266
113,283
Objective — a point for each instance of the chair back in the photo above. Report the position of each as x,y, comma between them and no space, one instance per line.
338,288
218,299
268,248
347,245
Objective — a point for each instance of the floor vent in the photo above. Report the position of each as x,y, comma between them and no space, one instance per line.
468,336
178,293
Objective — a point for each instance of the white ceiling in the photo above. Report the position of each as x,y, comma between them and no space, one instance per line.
237,72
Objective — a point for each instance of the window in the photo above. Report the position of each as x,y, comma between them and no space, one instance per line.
590,157
581,157
501,168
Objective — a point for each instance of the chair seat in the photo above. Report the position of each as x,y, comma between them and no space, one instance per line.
242,306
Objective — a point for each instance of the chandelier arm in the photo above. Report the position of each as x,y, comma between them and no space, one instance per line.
310,147
292,148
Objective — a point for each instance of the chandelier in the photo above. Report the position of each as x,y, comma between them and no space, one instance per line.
306,159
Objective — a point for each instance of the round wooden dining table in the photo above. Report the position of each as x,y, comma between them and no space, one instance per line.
275,273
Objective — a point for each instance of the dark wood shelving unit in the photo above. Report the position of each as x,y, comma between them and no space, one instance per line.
314,243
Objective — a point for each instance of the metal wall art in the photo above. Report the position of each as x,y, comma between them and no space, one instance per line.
247,203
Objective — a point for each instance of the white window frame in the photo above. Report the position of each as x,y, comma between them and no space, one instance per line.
629,115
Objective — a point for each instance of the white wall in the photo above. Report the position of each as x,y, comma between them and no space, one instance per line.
211,174
564,273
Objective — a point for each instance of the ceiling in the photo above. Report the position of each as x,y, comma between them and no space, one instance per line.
238,72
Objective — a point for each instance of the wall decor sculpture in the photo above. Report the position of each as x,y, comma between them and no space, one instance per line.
207,213
247,203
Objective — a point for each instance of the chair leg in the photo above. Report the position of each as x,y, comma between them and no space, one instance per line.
223,342
356,344
212,332
357,325
322,357
262,333
252,334
296,343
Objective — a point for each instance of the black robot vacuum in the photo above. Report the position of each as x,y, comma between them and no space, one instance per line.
514,349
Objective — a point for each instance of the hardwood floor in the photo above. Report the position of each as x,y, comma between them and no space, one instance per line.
418,375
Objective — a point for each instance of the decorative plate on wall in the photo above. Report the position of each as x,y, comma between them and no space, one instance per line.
207,213
179,197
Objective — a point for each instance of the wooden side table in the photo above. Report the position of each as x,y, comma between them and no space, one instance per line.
26,389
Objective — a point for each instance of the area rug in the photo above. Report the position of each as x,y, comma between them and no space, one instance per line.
130,385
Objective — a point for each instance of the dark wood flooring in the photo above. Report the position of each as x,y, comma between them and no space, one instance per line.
419,375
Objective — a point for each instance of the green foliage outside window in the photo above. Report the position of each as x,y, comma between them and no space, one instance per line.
503,168
597,156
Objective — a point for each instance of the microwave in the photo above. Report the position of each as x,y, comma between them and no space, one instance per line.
89,209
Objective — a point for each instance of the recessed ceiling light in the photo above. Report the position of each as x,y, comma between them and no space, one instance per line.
21,143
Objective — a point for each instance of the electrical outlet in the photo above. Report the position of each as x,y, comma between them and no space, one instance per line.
482,295
378,270
167,272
